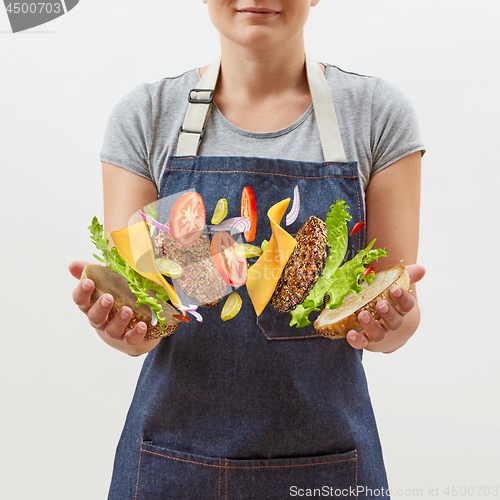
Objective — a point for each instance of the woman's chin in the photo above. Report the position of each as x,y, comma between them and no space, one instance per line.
255,37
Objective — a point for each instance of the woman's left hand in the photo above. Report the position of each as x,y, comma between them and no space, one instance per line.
392,322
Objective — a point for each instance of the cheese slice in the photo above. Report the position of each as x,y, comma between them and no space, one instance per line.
263,276
134,245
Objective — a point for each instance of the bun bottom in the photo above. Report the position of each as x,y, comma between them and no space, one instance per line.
336,323
106,281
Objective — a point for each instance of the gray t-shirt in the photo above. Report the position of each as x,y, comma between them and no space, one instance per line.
377,123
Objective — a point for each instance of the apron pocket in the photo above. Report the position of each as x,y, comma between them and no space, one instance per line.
169,474
276,326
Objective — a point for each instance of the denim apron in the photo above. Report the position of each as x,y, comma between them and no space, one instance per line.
252,408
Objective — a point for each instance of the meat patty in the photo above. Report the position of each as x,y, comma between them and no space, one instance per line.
199,280
304,266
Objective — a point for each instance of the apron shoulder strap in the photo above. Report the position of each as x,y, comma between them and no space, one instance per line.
200,102
324,110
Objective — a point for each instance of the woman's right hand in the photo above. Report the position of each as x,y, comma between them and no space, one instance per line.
112,332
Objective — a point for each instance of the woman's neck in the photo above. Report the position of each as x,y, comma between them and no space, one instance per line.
262,90
261,74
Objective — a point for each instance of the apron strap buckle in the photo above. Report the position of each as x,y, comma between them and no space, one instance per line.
201,134
203,99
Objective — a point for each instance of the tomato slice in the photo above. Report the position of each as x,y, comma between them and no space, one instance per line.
187,218
367,271
357,228
181,317
232,268
249,210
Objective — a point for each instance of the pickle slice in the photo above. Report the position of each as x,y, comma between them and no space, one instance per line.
231,307
169,267
220,211
247,251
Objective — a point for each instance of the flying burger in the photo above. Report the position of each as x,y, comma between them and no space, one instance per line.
311,279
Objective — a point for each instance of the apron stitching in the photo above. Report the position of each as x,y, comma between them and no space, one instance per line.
337,163
182,158
356,471
226,478
359,206
294,337
286,338
220,470
249,466
265,173
163,195
165,190
138,470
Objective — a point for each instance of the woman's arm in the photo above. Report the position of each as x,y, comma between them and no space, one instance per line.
393,213
124,194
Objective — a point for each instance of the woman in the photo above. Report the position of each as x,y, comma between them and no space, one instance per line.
246,408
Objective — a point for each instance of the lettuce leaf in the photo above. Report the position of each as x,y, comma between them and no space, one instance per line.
138,284
347,277
336,282
336,224
336,220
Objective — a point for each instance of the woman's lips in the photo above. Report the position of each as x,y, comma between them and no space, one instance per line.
258,13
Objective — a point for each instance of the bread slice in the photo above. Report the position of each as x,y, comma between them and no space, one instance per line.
106,281
335,323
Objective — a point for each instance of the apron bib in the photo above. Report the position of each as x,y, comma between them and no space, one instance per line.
251,407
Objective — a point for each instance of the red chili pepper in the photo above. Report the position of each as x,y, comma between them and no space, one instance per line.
357,228
249,210
181,317
368,270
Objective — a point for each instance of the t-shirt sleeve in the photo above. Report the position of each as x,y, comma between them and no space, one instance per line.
395,131
127,139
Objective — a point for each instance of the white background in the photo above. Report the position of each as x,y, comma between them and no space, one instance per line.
65,394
